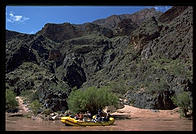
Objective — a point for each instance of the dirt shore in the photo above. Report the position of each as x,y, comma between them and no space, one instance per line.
147,114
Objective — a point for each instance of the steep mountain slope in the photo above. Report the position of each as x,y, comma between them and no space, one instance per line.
146,58
112,21
171,14
155,62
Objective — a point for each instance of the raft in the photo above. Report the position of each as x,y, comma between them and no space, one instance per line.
73,122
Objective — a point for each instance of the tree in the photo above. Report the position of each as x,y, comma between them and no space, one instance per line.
11,103
91,99
183,100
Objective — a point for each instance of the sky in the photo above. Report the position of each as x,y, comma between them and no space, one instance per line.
31,19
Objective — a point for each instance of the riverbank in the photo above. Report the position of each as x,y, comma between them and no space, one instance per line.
147,114
128,118
127,112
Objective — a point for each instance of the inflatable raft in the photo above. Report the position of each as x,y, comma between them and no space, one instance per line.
73,122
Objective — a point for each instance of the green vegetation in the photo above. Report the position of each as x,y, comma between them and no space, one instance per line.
35,106
47,111
91,99
27,94
184,101
174,67
11,103
154,73
30,95
156,86
118,87
61,86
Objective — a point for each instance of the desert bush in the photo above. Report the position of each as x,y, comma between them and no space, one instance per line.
35,96
61,86
184,101
26,93
47,111
156,86
35,106
11,103
91,99
30,95
175,67
118,87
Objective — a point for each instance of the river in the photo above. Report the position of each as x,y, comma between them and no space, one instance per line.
28,124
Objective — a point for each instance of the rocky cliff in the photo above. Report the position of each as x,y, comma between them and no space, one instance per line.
146,57
112,21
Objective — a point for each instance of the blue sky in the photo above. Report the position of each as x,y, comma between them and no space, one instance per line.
31,19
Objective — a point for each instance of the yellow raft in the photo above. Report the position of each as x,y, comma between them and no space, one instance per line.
73,122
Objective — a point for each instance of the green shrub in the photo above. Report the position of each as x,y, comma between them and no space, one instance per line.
184,101
156,86
35,96
176,67
35,106
30,95
47,111
11,103
61,86
26,93
119,87
91,99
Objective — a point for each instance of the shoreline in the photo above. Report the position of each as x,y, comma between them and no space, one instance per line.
127,112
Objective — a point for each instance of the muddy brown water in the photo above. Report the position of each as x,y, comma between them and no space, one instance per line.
28,124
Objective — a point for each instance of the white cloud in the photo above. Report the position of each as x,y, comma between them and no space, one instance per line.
16,18
11,14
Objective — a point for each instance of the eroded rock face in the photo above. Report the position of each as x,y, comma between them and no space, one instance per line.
59,32
50,91
138,17
170,43
18,57
52,98
164,100
144,99
66,31
172,13
125,27
54,54
75,75
175,37
148,31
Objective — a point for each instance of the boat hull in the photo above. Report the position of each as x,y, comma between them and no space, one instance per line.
73,122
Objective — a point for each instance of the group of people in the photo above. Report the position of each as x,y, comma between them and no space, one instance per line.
101,116
87,116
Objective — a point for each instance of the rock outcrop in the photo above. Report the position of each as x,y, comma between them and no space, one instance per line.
172,13
112,21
